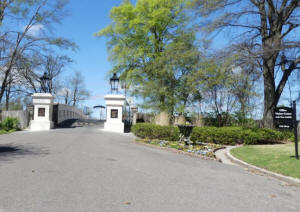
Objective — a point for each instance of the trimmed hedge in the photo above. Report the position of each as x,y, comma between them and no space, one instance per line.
238,135
222,135
152,131
9,124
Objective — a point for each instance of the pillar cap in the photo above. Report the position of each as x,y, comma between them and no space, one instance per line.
114,97
43,95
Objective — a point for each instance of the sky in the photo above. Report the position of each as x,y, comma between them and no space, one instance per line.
91,59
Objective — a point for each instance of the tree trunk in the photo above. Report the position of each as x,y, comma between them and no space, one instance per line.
7,99
270,99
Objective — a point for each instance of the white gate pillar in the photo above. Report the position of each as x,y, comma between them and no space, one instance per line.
114,113
43,109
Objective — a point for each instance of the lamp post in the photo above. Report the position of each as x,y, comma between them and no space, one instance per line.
114,83
45,79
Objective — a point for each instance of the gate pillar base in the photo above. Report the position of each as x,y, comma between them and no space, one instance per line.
114,113
43,109
114,127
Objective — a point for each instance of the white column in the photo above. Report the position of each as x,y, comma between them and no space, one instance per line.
114,113
43,109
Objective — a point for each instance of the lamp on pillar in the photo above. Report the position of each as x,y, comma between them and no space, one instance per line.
114,83
115,104
45,79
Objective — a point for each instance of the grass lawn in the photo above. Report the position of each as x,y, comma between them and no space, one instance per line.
275,158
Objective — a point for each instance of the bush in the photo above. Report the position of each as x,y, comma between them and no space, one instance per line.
238,135
204,134
262,136
228,135
9,124
222,135
152,131
288,135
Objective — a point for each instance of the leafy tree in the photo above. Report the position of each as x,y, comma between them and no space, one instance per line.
214,80
270,26
226,84
152,45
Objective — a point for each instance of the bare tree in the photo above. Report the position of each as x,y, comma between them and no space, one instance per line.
34,39
268,24
53,66
74,91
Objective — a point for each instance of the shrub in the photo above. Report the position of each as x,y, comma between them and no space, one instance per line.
203,134
228,135
237,135
250,137
288,135
222,135
10,124
152,131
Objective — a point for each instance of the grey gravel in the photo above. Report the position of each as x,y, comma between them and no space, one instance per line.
85,169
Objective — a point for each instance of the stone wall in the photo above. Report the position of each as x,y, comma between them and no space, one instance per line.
144,117
162,119
22,116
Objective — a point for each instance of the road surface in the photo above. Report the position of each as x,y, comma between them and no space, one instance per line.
86,169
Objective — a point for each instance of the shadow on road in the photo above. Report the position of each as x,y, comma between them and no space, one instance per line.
11,151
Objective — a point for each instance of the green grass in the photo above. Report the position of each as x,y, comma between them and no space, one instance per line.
6,132
276,158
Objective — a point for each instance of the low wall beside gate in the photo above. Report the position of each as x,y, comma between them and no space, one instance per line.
22,116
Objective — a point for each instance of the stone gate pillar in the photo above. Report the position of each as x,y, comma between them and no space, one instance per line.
134,110
114,113
43,109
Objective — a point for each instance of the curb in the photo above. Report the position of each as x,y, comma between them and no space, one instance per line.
287,179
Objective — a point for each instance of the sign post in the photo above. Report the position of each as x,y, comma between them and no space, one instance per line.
286,118
295,129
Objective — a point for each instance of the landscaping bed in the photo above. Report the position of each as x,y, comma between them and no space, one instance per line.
276,158
205,141
202,150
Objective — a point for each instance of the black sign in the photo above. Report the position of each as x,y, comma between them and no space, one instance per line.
41,112
114,114
284,118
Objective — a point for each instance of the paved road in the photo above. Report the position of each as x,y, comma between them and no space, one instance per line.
85,169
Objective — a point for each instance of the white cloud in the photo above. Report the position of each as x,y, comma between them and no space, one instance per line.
63,92
97,97
35,29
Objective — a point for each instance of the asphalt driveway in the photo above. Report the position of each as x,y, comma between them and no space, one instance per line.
85,169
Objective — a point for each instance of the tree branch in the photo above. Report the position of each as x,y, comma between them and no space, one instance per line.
286,73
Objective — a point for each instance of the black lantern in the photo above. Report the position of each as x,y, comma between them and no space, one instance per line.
45,79
114,83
